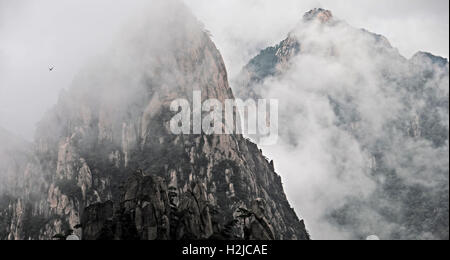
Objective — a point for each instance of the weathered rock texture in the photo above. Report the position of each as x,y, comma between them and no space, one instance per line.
105,157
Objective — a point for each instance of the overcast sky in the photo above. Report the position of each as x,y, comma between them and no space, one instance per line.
241,27
36,34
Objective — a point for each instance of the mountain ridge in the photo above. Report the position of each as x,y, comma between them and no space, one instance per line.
373,100
107,163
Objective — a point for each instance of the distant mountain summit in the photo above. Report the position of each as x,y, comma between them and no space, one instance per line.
318,14
425,58
382,118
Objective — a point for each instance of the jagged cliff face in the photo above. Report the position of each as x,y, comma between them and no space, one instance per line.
373,125
104,158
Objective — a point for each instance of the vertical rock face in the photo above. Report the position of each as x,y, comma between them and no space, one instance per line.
393,110
109,163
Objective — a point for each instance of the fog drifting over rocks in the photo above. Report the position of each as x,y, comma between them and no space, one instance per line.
364,131
65,34
318,177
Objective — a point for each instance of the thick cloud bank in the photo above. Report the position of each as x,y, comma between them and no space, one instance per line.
364,132
65,34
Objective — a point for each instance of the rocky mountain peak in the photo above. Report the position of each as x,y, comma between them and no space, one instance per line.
318,14
112,169
311,56
426,57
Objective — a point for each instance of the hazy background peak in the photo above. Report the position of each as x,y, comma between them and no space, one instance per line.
36,35
249,25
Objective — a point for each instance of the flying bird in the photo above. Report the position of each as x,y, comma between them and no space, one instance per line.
51,68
